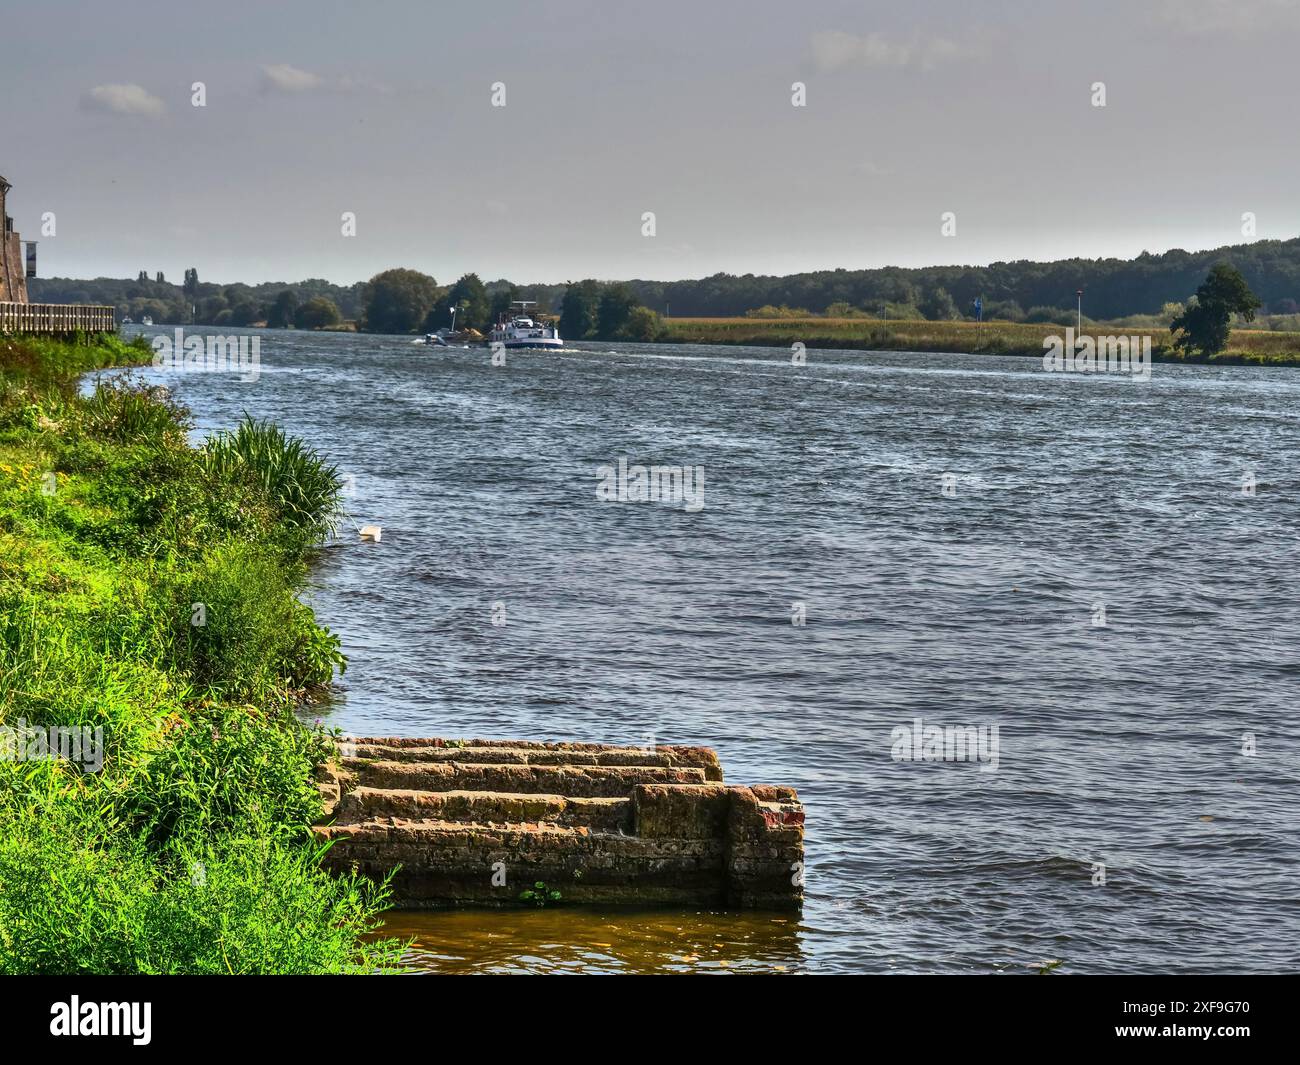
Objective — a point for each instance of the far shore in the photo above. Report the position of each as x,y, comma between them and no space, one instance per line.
1246,347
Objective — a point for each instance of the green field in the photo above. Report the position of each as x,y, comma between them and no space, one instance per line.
1246,346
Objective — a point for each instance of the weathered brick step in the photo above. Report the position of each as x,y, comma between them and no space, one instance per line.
704,754
468,850
667,757
394,832
486,808
438,863
479,821
580,781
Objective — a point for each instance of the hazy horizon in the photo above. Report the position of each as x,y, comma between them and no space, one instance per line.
685,111
530,281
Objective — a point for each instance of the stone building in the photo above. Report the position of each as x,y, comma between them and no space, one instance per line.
13,275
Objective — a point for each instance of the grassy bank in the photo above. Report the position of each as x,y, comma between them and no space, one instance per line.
148,588
1245,347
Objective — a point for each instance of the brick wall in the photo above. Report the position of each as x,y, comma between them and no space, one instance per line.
13,276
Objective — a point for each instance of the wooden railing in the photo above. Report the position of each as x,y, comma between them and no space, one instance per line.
56,318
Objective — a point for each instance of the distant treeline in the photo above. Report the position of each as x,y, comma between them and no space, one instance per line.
316,301
1154,286
1015,291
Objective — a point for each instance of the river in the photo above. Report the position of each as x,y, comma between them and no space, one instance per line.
1102,568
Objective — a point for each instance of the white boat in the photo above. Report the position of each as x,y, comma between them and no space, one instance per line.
146,320
441,339
522,331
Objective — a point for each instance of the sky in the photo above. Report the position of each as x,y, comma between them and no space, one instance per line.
611,110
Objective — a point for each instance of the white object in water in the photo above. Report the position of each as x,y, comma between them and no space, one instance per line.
372,533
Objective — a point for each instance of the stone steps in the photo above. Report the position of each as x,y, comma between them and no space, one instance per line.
496,754
479,821
486,808
591,781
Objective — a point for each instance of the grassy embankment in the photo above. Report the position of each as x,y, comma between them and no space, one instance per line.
1245,347
188,852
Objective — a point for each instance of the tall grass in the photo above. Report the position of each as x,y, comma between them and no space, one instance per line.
124,412
112,531
75,898
304,489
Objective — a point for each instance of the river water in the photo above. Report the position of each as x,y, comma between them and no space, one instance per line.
1104,569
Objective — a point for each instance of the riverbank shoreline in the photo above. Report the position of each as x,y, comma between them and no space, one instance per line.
1246,347
156,786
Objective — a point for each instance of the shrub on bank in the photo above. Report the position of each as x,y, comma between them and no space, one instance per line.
304,490
238,630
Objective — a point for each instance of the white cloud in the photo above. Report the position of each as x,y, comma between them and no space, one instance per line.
832,49
281,77
122,100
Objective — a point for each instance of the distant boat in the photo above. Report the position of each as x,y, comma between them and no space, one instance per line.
146,320
522,331
127,320
444,338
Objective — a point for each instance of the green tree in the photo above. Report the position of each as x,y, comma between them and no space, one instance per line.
396,301
280,315
1206,322
643,324
842,309
470,299
209,307
245,312
502,298
896,289
616,303
1054,315
317,313
1171,310
190,290
1003,311
938,306
155,309
579,313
